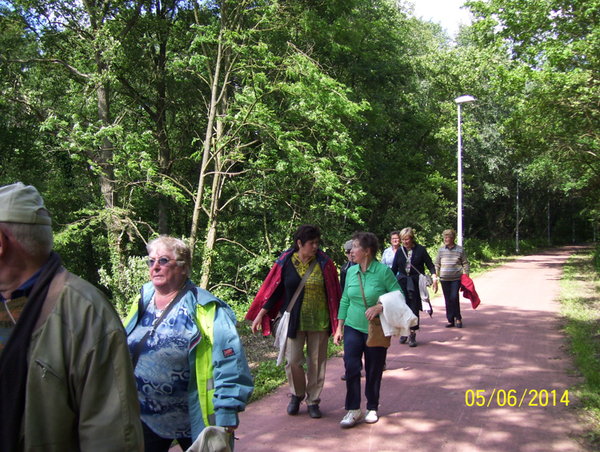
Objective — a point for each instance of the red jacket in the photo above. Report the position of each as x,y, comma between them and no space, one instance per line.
332,287
468,289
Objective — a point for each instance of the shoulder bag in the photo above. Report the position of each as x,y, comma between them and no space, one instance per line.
376,337
276,321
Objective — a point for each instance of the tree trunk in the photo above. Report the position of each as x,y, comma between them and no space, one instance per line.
164,158
211,235
208,137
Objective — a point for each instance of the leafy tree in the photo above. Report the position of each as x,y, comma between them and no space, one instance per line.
554,124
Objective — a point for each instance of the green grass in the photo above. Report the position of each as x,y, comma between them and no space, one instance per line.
580,298
268,376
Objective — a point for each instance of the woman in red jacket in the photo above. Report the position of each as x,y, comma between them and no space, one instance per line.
313,317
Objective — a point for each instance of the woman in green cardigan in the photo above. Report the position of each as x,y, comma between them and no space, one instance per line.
353,327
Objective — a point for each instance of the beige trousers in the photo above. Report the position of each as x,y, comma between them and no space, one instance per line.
316,360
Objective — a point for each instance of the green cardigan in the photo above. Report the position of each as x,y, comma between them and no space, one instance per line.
377,280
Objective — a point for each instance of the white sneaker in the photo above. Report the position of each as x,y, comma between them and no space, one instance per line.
352,418
371,417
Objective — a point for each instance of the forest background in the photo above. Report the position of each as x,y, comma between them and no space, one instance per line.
229,123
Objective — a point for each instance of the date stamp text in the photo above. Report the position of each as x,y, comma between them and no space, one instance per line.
510,397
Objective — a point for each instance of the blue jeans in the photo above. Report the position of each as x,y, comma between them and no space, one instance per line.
450,289
355,345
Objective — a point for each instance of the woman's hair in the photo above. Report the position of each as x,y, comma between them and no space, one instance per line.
304,233
450,232
180,249
367,240
408,232
393,233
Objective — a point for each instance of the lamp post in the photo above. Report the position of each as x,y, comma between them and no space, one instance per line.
460,100
517,214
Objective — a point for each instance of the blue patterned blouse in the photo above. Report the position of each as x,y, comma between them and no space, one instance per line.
163,372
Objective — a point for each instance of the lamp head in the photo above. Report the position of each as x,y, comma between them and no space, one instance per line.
464,99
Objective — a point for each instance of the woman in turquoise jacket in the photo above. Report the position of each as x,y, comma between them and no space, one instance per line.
189,363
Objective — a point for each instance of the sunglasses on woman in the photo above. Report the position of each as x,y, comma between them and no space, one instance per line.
162,261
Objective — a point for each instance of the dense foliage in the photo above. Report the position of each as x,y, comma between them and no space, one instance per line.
229,123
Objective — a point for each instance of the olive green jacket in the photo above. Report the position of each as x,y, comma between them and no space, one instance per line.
81,393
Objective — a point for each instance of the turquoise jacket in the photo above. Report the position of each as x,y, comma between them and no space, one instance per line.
220,381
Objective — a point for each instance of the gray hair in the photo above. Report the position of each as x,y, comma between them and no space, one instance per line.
35,239
182,251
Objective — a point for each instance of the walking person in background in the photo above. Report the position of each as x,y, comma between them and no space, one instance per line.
189,363
313,317
410,262
389,253
450,264
347,265
343,271
373,279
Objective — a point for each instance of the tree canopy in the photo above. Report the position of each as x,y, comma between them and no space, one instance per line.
229,123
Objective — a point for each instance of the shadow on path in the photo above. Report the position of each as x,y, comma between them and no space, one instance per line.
428,397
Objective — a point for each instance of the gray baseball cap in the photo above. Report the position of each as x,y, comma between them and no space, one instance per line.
348,245
21,203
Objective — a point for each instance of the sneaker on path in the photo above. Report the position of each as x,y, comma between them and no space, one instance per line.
352,418
371,417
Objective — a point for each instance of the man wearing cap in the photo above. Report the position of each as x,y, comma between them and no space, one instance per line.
66,378
347,249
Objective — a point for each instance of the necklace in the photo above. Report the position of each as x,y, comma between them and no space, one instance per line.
158,313
8,311
165,306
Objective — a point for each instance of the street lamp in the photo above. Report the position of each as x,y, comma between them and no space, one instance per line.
460,100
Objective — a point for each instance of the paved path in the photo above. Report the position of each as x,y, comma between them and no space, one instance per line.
510,342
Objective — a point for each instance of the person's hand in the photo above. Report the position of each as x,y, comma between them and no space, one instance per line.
230,429
338,336
435,286
257,323
373,311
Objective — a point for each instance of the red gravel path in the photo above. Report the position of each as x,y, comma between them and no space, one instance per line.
511,342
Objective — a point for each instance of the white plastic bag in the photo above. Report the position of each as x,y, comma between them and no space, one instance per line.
281,337
212,439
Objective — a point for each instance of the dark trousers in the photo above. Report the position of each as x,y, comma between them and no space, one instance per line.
413,297
155,443
450,289
355,346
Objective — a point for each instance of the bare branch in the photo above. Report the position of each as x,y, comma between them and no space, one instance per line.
227,285
52,60
223,239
